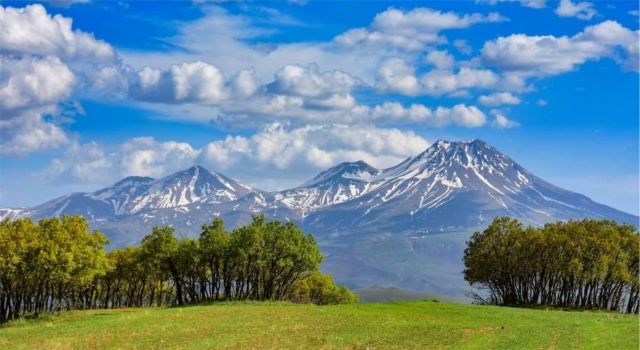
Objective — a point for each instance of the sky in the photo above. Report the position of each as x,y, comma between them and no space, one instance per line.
272,93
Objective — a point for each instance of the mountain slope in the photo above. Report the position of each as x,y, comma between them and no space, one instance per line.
454,186
450,186
405,226
128,209
339,184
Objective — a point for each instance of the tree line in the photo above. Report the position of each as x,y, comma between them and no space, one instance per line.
60,264
588,264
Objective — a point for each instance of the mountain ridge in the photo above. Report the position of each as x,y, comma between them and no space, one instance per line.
403,226
449,186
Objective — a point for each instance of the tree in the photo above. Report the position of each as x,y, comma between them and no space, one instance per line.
320,289
214,243
60,264
160,250
579,264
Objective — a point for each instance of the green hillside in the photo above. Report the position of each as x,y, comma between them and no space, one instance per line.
403,325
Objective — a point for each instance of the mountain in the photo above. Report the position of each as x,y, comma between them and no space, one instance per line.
454,186
128,209
339,184
404,226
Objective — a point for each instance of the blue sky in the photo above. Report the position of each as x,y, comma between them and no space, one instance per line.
272,93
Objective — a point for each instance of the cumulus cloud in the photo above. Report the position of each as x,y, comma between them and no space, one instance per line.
298,95
461,115
186,82
550,55
140,156
316,146
88,162
499,98
30,82
502,122
581,10
462,46
29,132
440,82
440,59
30,30
67,3
410,30
534,4
145,156
296,153
39,59
30,88
396,75
310,81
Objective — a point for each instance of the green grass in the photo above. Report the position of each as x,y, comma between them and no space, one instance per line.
402,325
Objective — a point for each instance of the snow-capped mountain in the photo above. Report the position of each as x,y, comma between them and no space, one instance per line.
135,194
376,226
339,184
127,210
453,186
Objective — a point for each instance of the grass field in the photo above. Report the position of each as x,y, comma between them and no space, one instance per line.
402,325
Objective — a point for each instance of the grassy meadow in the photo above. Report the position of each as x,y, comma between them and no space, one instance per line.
253,325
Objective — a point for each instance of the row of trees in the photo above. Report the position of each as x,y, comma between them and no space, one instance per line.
590,264
59,264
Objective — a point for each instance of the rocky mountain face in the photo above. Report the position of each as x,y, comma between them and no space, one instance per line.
404,226
455,186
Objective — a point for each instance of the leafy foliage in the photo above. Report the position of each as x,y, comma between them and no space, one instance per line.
58,264
319,288
589,264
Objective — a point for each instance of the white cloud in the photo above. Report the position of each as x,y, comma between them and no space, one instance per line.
395,75
42,61
461,115
86,162
462,46
581,10
244,83
33,82
440,82
30,88
31,30
144,156
309,81
499,98
550,55
186,82
441,59
398,76
140,156
314,146
67,3
293,154
542,102
410,30
535,4
232,53
29,132
502,122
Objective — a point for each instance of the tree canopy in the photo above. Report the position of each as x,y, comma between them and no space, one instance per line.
59,264
591,264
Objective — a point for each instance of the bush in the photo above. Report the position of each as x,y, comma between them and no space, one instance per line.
320,289
590,264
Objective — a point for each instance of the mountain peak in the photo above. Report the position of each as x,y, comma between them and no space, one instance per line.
357,171
133,180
